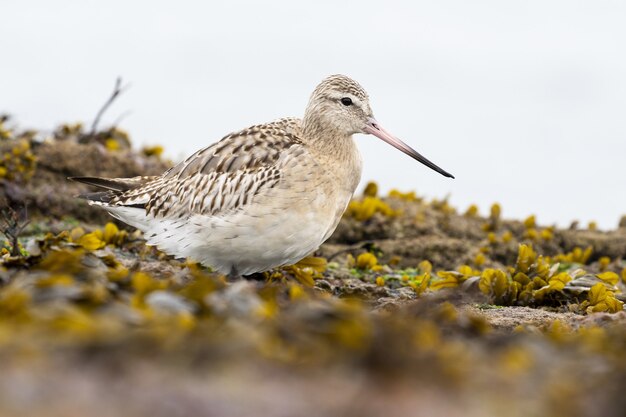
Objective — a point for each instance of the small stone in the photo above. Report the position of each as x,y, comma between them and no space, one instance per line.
322,284
239,299
32,247
167,302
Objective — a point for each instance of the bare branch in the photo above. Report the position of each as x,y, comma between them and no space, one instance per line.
121,117
13,227
367,245
116,92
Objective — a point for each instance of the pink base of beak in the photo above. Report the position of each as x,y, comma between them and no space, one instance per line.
372,127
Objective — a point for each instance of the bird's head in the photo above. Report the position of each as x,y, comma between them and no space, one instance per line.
341,106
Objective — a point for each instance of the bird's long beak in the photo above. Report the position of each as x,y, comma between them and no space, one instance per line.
374,128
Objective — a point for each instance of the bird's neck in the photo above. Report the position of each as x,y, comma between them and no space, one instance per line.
335,150
325,137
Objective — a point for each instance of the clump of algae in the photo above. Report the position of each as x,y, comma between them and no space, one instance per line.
17,162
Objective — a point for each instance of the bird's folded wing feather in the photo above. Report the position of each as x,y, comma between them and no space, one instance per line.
222,177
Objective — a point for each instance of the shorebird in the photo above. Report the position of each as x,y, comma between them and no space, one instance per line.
262,197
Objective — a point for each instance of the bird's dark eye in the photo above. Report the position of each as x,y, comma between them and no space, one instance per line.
346,101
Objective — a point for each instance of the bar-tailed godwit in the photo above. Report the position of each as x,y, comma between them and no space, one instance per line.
262,197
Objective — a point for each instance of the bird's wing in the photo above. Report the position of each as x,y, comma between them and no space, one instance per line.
222,177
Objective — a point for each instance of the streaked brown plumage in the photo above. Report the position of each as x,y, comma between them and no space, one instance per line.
259,198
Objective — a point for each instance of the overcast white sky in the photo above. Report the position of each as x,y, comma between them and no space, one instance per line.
523,101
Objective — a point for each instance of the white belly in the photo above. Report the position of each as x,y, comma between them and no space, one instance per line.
262,237
250,245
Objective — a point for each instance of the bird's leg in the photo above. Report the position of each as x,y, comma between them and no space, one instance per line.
233,275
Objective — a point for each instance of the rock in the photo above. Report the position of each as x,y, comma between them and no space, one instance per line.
237,300
611,244
169,303
583,284
442,252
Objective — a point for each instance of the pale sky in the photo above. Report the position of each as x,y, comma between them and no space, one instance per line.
523,101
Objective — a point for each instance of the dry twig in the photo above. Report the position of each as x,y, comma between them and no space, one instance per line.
13,226
117,90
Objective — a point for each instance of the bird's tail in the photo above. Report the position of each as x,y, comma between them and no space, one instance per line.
113,187
124,198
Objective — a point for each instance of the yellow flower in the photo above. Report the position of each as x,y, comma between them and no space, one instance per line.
546,234
395,260
507,236
480,259
604,262
296,292
554,284
443,206
76,233
62,261
525,258
110,232
577,255
484,284
366,261
371,189
495,211
305,276
542,267
522,278
409,196
538,282
350,261
91,241
613,305
153,150
425,266
601,299
597,294
112,144
424,282
316,263
493,281
560,279
19,163
365,209
467,271
500,285
531,234
143,283
117,273
449,279
380,281
62,280
472,211
609,277
530,222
